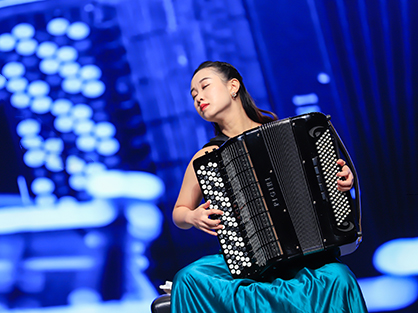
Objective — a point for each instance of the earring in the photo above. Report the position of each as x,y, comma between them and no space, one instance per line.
234,95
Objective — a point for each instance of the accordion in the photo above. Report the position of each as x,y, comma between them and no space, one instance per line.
277,187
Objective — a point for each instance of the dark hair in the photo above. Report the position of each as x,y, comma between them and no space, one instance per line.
229,72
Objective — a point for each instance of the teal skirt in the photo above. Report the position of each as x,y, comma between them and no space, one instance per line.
207,286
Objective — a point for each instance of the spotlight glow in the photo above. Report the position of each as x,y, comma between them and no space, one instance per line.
28,127
83,127
55,145
104,129
41,105
108,146
32,142
61,107
397,257
388,293
34,158
115,184
90,72
146,219
57,26
38,88
49,66
71,85
7,42
42,185
81,111
26,47
77,182
78,31
23,31
86,143
13,69
46,49
20,100
54,163
17,84
93,89
69,69
67,54
64,124
74,165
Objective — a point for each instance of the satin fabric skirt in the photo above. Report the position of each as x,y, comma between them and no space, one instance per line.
207,286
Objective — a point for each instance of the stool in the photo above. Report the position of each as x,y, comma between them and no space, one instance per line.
161,304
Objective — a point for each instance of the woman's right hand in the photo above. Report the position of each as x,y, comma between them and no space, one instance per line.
200,219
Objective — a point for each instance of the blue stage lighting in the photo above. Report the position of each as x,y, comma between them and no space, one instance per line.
71,85
104,129
77,182
61,107
32,142
74,165
78,31
38,88
108,146
115,184
388,293
145,220
90,72
64,123
41,105
323,78
23,31
54,163
42,185
81,111
3,81
86,143
83,296
26,47
20,100
46,200
17,84
49,66
13,69
34,158
28,127
55,145
397,257
93,89
69,69
7,42
94,168
67,54
46,49
83,127
58,26
307,109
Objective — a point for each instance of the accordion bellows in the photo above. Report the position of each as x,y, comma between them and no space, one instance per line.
277,186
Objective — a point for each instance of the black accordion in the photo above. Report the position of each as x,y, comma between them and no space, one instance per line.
277,187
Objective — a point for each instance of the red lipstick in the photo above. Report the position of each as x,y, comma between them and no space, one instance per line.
203,106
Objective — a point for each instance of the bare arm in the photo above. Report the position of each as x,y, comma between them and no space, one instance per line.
187,212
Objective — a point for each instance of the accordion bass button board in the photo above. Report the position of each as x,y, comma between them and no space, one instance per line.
277,187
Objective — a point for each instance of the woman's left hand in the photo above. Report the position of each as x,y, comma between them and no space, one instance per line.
346,183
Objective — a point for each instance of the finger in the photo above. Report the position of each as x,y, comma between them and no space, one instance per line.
210,232
205,205
341,162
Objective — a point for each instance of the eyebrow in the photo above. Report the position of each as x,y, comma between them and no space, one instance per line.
204,78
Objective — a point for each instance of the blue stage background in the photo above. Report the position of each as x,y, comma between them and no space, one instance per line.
97,126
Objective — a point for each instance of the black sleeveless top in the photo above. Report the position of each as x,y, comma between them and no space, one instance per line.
217,141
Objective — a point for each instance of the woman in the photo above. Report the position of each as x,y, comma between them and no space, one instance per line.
318,284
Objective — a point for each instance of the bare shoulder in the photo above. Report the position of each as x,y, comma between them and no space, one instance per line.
203,151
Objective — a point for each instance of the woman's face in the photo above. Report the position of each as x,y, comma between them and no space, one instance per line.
210,93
